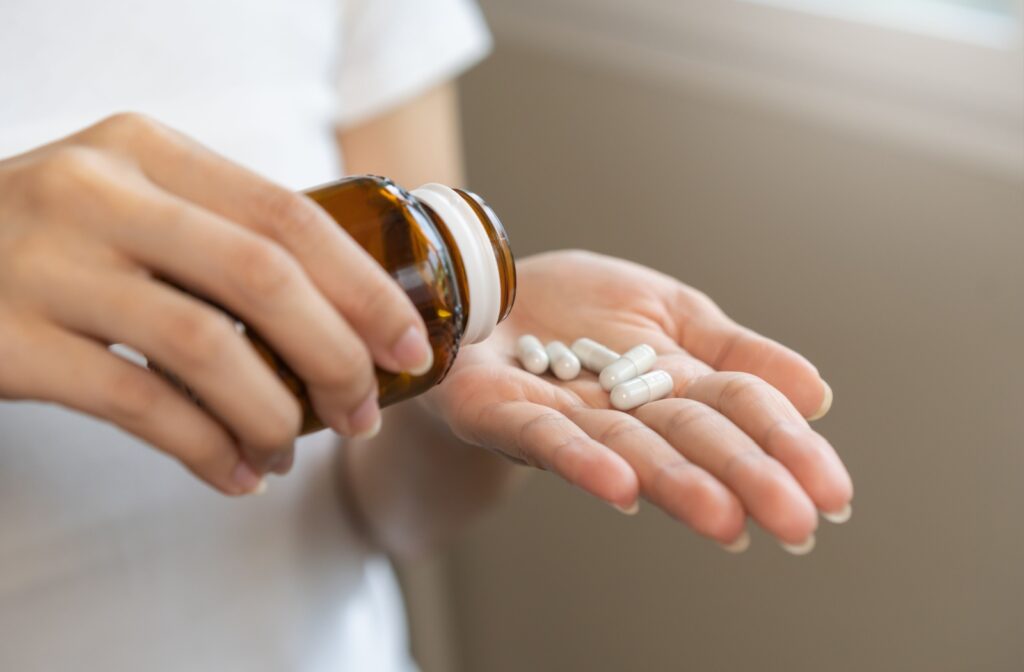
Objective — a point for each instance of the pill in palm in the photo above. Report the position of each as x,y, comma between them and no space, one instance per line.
593,355
531,354
641,390
632,363
564,363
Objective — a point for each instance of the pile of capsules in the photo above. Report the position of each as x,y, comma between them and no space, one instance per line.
627,376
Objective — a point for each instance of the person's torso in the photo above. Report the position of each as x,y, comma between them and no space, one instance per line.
226,72
111,556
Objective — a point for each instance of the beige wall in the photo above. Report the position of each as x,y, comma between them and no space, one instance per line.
900,275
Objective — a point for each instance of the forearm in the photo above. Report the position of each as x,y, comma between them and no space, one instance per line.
416,143
415,484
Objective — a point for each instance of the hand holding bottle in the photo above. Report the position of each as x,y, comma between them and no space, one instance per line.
95,228
732,442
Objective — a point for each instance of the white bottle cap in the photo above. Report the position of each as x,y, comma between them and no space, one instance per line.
478,258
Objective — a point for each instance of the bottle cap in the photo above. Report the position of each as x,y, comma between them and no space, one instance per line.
478,259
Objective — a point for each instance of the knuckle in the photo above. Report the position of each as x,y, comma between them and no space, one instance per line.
47,184
526,439
670,474
198,338
807,460
71,159
725,348
774,494
713,514
705,496
736,387
67,165
59,175
126,127
740,457
685,415
289,421
350,370
276,435
379,302
620,429
274,430
293,217
264,270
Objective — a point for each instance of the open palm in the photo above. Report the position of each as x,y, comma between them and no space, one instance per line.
732,441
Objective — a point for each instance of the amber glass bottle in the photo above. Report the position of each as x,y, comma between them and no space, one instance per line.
448,251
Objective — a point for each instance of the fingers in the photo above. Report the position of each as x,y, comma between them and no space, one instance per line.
708,439
765,415
83,375
667,479
756,413
352,280
726,346
370,300
543,437
264,286
196,342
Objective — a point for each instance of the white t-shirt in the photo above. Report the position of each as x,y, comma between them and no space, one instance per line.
112,557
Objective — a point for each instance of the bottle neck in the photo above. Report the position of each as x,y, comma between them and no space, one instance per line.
483,252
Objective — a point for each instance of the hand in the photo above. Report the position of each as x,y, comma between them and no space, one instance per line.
732,442
88,227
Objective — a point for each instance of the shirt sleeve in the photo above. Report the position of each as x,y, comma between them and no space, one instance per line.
393,50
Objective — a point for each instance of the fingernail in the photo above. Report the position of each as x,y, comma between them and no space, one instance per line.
247,480
365,421
412,352
740,544
630,510
838,517
826,404
803,548
373,431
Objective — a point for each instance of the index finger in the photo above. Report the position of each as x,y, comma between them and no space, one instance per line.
349,277
542,437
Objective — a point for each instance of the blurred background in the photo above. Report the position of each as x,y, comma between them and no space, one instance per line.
846,177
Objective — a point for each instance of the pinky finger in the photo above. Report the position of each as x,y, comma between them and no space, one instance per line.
547,439
85,376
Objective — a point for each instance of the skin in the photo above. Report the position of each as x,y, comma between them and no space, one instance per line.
102,233
98,232
733,441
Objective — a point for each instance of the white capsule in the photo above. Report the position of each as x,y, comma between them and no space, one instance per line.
593,356
531,354
642,390
634,362
564,364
